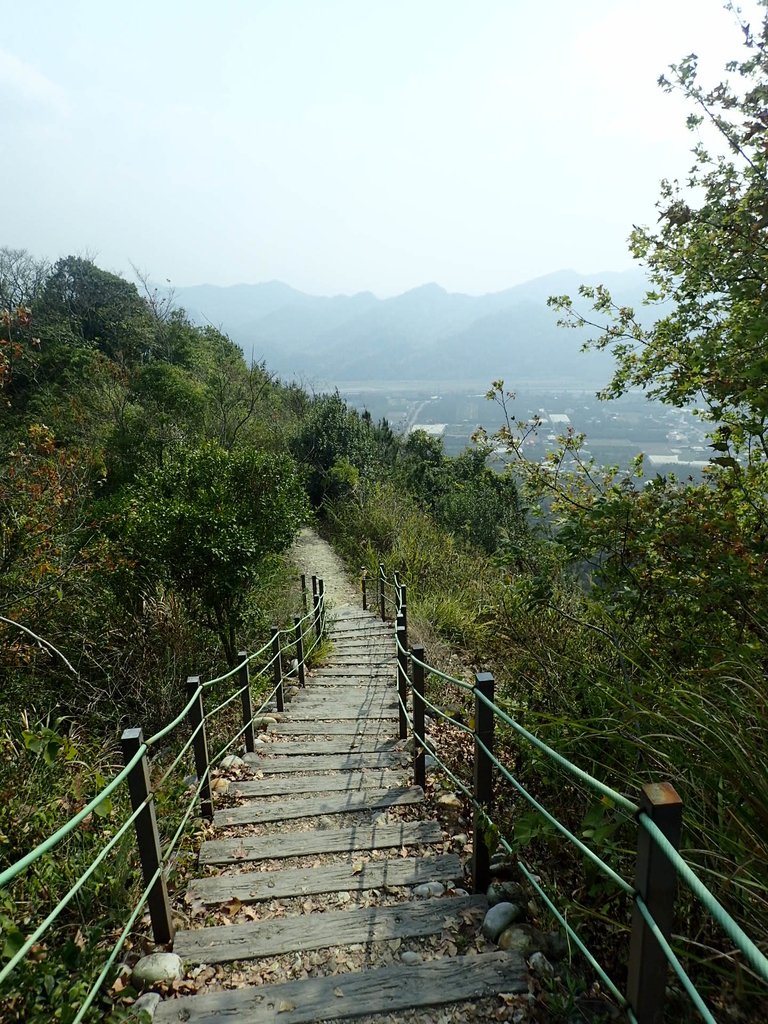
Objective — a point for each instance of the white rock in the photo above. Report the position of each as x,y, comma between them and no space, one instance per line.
500,917
409,957
540,966
232,761
157,967
461,839
147,1003
460,892
450,801
264,721
429,889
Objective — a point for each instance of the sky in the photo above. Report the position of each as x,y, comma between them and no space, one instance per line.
344,145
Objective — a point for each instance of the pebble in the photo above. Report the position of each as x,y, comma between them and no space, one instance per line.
266,720
409,957
504,892
220,786
540,966
147,1003
450,801
461,839
430,761
429,889
499,918
344,897
521,938
157,967
232,761
460,892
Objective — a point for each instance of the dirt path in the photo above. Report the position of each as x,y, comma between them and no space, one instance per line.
314,556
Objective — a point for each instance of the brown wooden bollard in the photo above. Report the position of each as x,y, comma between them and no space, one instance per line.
321,605
404,613
316,607
402,678
200,746
299,640
304,604
365,592
483,782
382,598
656,883
277,669
244,679
148,838
419,739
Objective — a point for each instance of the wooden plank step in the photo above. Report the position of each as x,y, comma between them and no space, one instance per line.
381,990
252,886
319,840
349,727
257,813
345,782
353,745
330,763
334,711
276,936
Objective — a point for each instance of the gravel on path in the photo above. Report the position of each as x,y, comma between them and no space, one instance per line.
315,557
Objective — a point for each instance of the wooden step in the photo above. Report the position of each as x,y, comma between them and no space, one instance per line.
335,711
348,782
348,727
360,993
354,745
319,840
302,762
257,813
276,936
253,886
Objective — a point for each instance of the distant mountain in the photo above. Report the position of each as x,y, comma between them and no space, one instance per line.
425,333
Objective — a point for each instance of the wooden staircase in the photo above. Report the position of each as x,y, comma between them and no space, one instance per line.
330,814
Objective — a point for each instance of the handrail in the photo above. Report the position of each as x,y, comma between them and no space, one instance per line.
751,952
312,621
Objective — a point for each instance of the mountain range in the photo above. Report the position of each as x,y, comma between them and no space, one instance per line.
426,333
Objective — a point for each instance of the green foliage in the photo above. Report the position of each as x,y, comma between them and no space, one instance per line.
206,521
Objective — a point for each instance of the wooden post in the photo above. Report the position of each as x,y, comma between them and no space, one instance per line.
365,593
277,668
304,604
402,677
484,728
419,753
148,838
656,883
404,613
382,599
316,606
200,746
244,678
299,649
321,605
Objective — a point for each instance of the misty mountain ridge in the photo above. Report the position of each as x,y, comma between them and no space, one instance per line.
424,333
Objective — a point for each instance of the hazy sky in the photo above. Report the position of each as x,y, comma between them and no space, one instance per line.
342,145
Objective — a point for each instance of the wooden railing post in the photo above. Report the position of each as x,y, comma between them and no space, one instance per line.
402,677
148,838
200,745
656,883
277,669
299,641
382,598
304,604
316,606
483,788
244,679
321,606
404,613
365,592
419,753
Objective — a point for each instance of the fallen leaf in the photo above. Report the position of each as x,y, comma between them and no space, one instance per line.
357,867
285,1006
338,993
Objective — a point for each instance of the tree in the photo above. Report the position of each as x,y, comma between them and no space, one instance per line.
207,520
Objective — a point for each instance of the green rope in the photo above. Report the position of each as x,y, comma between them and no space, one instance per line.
715,908
21,865
75,889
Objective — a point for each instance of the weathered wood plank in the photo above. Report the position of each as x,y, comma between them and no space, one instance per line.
329,763
355,744
319,840
382,990
334,710
350,726
276,936
255,813
253,886
343,781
